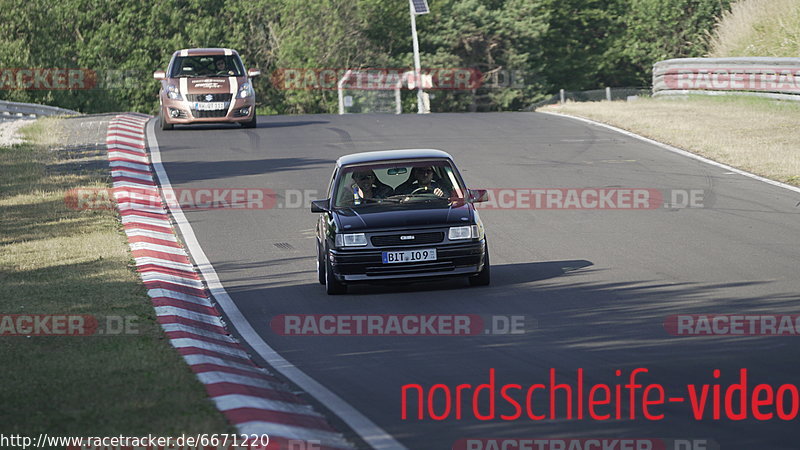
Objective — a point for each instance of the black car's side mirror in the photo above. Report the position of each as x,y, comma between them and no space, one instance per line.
320,206
478,195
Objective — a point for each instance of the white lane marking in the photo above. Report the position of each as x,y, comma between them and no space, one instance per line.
678,151
236,401
150,261
152,234
163,223
325,438
125,173
116,139
188,314
371,433
128,164
128,156
180,327
206,359
157,276
128,133
226,377
205,345
136,129
156,293
157,248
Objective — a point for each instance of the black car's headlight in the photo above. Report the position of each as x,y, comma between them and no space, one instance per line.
351,240
465,232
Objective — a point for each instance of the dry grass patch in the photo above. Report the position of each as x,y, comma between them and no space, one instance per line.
758,28
55,260
753,134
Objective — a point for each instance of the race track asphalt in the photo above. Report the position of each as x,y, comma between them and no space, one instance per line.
598,284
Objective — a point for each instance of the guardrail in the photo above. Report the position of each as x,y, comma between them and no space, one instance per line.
15,110
759,76
594,95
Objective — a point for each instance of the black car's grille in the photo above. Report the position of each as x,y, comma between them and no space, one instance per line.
396,239
217,113
226,97
408,269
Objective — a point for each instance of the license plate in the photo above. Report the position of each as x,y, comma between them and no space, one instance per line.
210,106
425,254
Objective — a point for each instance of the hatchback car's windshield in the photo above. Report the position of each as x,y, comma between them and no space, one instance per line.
207,66
405,184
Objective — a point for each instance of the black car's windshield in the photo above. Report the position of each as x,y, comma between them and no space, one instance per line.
403,184
207,66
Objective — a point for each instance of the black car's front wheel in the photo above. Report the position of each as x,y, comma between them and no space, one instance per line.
332,285
320,264
483,277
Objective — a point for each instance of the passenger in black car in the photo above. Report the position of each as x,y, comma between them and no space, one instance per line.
365,186
421,181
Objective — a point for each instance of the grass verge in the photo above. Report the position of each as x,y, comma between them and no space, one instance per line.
753,134
55,260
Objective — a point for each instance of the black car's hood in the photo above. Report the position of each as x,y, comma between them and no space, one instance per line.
379,217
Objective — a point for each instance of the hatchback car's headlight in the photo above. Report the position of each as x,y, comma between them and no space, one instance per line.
351,240
466,232
174,93
245,90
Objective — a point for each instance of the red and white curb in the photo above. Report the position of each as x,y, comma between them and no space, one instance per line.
250,397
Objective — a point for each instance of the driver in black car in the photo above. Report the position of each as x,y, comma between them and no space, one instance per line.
420,182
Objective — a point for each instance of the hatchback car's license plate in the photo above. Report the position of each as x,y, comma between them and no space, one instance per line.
210,106
425,254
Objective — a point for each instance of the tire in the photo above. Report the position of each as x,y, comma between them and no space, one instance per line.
320,265
332,285
252,123
483,277
164,125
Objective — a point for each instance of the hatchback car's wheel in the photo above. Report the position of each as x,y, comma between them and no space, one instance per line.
251,123
483,277
164,125
320,264
332,285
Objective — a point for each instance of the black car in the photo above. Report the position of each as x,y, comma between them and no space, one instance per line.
399,214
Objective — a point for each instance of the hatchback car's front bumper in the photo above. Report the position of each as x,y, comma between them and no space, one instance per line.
363,265
179,112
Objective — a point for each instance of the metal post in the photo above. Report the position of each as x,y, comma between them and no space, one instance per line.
417,68
608,93
340,87
561,93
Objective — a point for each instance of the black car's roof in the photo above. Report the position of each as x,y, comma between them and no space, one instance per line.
389,155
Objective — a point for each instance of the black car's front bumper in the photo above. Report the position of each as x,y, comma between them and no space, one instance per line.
356,265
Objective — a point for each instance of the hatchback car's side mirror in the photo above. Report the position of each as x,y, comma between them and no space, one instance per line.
478,195
159,75
320,206
252,73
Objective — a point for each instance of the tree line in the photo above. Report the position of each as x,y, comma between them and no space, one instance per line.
523,49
